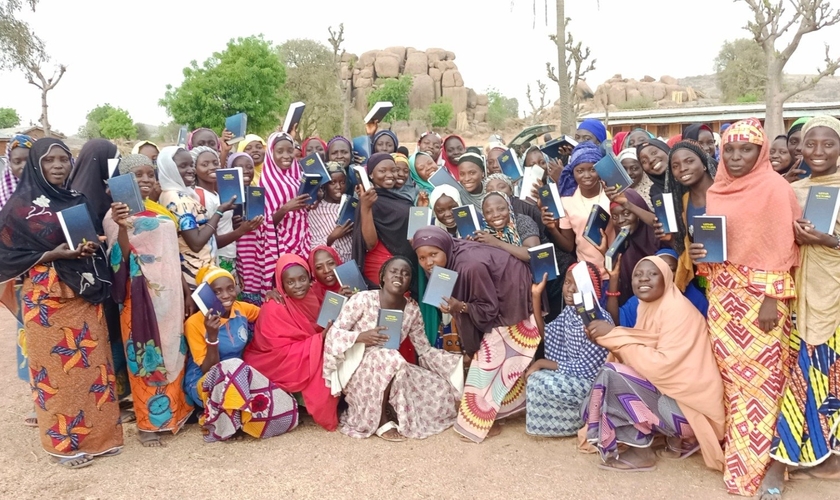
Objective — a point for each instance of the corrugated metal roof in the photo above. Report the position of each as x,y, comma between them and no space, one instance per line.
727,112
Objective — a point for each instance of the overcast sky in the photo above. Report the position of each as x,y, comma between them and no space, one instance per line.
125,56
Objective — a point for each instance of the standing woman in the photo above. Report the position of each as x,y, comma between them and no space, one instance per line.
147,283
322,218
254,146
147,148
385,141
453,148
492,308
70,360
17,151
471,178
749,294
806,432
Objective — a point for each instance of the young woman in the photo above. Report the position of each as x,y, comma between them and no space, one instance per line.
641,183
220,382
431,144
805,433
493,151
703,136
404,184
254,146
453,148
196,231
323,230
322,262
653,155
421,166
386,395
471,178
780,156
641,242
749,315
148,149
491,305
90,174
635,137
148,286
70,365
204,137
591,130
558,384
514,234
661,378
385,141
288,344
443,200
17,151
314,145
340,150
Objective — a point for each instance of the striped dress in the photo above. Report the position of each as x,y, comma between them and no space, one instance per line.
321,223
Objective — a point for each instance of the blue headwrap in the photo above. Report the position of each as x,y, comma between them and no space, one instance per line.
668,251
595,127
390,134
585,152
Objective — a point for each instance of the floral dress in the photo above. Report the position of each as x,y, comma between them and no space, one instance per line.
191,215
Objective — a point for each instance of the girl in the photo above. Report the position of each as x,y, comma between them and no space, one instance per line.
653,155
421,166
315,145
502,229
637,136
404,184
322,218
471,177
453,148
385,141
254,146
640,243
493,151
148,149
641,183
431,144
780,156
203,137
322,262
17,151
443,200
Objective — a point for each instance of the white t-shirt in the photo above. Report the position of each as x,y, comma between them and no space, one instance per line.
212,203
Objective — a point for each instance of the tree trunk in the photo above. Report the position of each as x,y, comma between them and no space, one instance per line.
568,120
774,123
45,121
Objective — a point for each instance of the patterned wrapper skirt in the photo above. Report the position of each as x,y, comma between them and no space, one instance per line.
553,402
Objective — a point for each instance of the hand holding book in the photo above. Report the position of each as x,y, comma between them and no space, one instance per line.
372,337
120,214
806,234
597,329
697,252
614,195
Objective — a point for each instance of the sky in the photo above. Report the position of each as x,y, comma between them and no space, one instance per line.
126,56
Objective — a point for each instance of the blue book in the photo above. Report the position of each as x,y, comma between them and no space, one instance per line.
418,218
255,203
550,199
618,247
392,320
821,208
613,173
362,148
556,148
347,210
330,309
805,168
443,177
666,214
237,125
314,165
206,300
183,135
348,275
77,225
229,184
310,184
509,163
543,261
293,116
441,284
598,220
124,189
467,220
710,230
585,306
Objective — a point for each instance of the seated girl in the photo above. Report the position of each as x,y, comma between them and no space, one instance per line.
503,184
443,200
421,166
387,395
558,384
322,218
322,263
219,381
513,233
661,378
453,148
288,343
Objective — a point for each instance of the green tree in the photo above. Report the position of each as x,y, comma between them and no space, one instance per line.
396,91
18,44
311,77
500,108
741,69
118,125
9,118
247,77
441,113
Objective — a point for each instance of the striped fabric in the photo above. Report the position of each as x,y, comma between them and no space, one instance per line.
322,223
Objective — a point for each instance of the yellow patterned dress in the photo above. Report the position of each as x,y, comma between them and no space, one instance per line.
754,365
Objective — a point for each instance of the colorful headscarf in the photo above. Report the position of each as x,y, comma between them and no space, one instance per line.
9,182
618,142
795,126
509,233
399,157
240,148
595,127
448,162
192,134
585,152
234,156
748,130
499,177
196,152
310,139
209,274
827,121
412,170
333,167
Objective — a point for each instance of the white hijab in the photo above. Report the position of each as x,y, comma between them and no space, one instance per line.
168,175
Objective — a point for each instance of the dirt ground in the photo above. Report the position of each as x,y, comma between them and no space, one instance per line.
312,463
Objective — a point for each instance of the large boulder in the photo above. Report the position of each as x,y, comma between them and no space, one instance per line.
436,74
360,99
422,92
404,131
648,79
646,90
387,65
633,94
459,80
472,99
367,59
583,90
448,79
457,96
659,91
669,80
450,56
617,93
399,52
417,64
483,100
436,55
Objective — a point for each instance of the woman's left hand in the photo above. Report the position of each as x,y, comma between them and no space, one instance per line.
451,305
613,194
274,295
346,291
537,289
554,169
806,234
423,199
768,315
598,329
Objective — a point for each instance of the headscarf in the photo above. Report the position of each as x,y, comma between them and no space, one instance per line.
390,134
240,148
192,134
448,162
440,191
673,140
618,142
132,161
29,228
399,157
136,149
234,156
90,173
475,199
669,347
509,233
628,153
797,125
818,276
426,134
693,131
641,243
198,150
168,175
409,189
375,159
760,207
209,274
9,182
496,284
595,127
319,288
339,138
660,180
333,167
637,129
498,177
412,170
585,152
309,139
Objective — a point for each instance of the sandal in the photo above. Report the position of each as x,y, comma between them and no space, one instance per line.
79,462
631,467
31,420
390,426
682,453
110,453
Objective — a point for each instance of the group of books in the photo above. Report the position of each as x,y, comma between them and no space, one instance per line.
314,175
250,200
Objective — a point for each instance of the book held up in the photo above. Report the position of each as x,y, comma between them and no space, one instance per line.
550,199
77,225
293,116
314,165
509,163
663,207
467,220
237,125
418,218
821,208
598,221
310,184
229,184
379,111
348,275
613,173
543,262
206,300
330,309
255,203
124,189
710,230
440,286
347,210
618,247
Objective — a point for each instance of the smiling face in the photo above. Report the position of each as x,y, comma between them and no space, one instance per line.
500,186
55,165
780,155
569,288
396,277
429,257
496,212
205,168
340,152
535,158
296,281
186,169
425,166
582,135
283,154
471,176
634,170
635,138
820,149
149,152
654,161
205,137
454,148
335,188
17,160
384,175
325,266
256,150
795,144
707,142
225,290
586,177
315,147
740,157
443,211
431,144
624,218
687,168
145,177
493,161
402,173
247,169
648,282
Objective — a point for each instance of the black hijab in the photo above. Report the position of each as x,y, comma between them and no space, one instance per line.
90,174
29,228
658,181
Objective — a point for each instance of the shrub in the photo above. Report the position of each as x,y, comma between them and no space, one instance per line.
441,114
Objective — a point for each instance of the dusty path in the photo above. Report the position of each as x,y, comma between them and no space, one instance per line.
311,463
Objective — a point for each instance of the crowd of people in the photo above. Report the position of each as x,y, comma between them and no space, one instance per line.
736,360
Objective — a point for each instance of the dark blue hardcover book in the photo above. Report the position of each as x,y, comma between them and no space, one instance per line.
440,286
362,148
77,225
822,207
347,210
183,135
237,125
510,165
206,300
348,275
229,184
418,218
378,112
467,220
805,168
666,214
598,220
555,148
124,189
443,177
255,203
310,184
330,309
613,173
392,320
293,116
550,199
618,247
314,165
587,308
710,230
543,261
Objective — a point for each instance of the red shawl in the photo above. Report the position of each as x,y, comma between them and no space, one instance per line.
288,348
320,289
448,162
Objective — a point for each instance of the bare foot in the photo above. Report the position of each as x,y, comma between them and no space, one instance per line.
774,483
633,460
495,430
238,436
828,470
150,439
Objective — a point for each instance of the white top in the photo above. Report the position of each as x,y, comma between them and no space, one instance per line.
212,203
